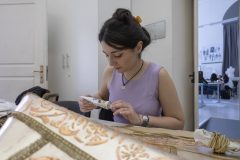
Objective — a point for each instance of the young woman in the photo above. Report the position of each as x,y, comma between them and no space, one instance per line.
141,93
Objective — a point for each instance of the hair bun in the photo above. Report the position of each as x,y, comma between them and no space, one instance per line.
123,15
138,19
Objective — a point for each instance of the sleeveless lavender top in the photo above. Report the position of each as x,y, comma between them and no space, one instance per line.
141,93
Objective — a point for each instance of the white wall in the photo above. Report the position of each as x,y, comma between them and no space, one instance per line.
213,10
73,29
175,52
210,32
159,51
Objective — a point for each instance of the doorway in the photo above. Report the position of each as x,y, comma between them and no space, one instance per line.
23,47
217,60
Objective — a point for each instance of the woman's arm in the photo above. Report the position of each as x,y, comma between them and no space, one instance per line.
173,117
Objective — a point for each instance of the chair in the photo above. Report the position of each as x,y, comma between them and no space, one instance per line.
106,115
52,97
235,86
36,90
73,106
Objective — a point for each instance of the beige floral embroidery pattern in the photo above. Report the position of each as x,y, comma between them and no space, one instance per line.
43,158
131,152
70,124
161,158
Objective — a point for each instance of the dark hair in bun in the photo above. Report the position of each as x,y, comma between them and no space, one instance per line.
123,31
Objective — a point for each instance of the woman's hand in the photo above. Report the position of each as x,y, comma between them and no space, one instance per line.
126,110
86,106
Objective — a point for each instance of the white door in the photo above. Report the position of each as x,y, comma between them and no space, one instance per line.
23,46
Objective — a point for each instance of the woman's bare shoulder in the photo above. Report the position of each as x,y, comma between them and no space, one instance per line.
165,78
163,72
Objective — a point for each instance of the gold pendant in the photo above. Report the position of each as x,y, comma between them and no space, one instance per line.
123,87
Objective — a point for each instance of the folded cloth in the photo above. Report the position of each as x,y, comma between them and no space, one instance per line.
36,90
6,106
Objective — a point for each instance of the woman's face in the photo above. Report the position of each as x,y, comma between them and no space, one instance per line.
122,60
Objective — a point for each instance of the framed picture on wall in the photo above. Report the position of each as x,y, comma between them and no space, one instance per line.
211,54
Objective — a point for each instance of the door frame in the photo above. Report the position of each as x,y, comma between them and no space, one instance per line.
195,52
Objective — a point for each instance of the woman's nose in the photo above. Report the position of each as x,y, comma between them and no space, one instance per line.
111,61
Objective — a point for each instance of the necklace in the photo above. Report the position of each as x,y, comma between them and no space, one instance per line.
125,83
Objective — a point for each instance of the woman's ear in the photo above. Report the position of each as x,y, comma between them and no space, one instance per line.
138,47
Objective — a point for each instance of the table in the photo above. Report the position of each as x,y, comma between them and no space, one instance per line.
218,84
181,141
41,126
228,127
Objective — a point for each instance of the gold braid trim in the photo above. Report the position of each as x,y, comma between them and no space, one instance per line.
29,150
2,121
173,148
58,141
219,143
4,118
144,133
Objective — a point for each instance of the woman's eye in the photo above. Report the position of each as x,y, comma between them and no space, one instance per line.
118,55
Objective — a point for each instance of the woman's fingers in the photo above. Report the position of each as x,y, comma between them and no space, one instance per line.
85,110
125,109
119,104
121,107
121,111
125,112
85,106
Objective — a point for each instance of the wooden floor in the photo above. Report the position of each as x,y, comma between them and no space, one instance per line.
211,107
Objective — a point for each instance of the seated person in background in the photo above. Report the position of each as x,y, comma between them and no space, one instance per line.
214,77
204,82
220,78
225,89
227,83
225,78
141,93
201,79
212,88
